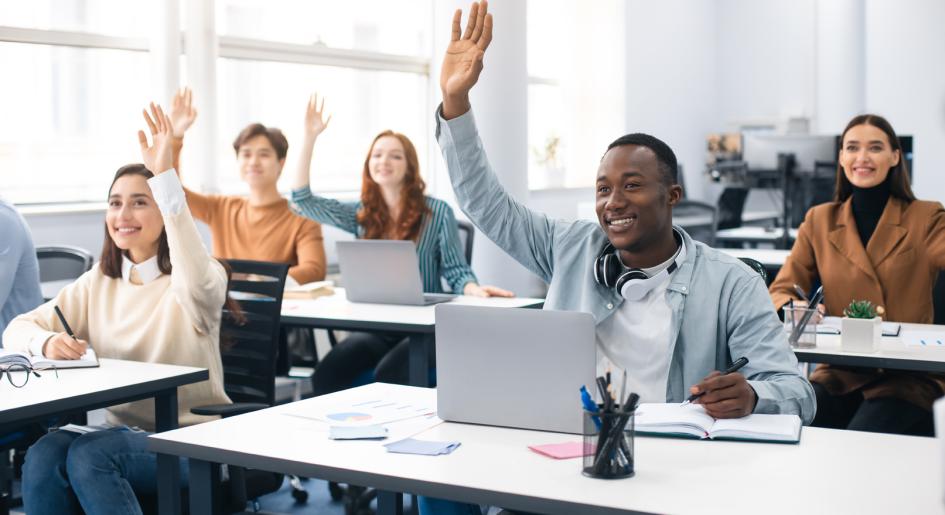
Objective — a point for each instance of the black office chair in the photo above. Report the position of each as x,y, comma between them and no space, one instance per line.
938,300
756,265
62,262
731,205
699,219
249,344
466,234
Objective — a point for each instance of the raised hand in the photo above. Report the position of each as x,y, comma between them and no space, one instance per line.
183,112
315,122
462,63
157,157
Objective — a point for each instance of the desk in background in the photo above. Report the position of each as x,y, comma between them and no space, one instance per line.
893,353
752,236
830,471
113,382
414,322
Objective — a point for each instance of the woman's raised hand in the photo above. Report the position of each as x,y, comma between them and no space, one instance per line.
157,157
315,121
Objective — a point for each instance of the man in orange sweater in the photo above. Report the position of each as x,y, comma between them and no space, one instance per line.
261,226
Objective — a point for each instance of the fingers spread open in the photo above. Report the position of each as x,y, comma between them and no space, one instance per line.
480,21
142,140
149,121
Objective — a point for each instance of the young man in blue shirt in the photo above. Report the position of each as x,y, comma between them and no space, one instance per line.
19,269
669,310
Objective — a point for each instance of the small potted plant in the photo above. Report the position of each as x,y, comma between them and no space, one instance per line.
861,328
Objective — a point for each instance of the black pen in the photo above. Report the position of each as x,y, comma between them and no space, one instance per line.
66,325
739,363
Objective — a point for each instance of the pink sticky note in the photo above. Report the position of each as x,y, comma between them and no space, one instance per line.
560,451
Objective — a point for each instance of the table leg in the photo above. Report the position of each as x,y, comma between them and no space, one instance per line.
168,466
421,348
204,478
390,503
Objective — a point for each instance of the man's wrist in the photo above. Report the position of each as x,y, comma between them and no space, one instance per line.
455,106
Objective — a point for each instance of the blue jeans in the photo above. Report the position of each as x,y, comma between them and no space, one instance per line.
97,472
431,506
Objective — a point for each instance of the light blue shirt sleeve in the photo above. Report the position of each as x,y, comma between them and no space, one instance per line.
526,235
19,269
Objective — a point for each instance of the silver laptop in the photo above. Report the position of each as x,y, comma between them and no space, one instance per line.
514,367
384,272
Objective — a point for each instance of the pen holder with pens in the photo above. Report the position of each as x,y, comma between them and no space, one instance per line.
608,443
801,326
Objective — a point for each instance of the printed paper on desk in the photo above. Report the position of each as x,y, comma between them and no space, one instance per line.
924,338
373,411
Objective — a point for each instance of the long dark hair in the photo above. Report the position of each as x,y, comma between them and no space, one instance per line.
374,216
110,262
898,176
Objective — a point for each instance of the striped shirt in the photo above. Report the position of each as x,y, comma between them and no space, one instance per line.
438,248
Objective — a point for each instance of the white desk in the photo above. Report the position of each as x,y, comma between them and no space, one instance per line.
753,235
114,382
415,322
893,353
830,471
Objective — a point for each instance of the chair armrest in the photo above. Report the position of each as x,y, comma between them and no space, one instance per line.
228,410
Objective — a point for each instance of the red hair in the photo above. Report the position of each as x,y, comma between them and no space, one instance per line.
374,216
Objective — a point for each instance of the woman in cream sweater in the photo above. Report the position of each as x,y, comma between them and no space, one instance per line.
131,306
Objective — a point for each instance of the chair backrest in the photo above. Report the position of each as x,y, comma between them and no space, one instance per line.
938,299
699,219
757,266
731,205
466,234
61,262
249,350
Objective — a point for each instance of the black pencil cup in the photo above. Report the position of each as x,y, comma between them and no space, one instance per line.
608,444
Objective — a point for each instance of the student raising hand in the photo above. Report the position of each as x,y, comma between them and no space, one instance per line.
183,113
158,157
462,63
315,121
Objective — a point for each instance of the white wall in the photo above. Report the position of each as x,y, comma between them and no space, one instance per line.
905,81
672,78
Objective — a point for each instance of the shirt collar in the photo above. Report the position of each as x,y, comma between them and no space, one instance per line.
148,269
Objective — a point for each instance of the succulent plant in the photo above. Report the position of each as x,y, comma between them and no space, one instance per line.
860,309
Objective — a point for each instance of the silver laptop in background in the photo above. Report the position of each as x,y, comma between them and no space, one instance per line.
514,367
384,272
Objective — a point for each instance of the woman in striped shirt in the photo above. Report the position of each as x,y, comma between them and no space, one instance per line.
392,206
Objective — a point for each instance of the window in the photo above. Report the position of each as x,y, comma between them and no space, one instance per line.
575,104
72,104
363,102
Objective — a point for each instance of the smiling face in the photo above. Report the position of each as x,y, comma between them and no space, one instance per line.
634,202
867,155
259,164
387,163
133,219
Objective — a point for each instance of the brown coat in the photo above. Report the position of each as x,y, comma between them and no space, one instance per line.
896,270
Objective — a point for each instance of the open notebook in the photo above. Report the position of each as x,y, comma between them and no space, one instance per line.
691,421
88,360
831,325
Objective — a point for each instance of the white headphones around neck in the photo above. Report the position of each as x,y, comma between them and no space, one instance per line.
632,283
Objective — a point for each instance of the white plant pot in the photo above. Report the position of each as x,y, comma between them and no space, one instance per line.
861,334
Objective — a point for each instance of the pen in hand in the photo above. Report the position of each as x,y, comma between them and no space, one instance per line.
739,363
68,329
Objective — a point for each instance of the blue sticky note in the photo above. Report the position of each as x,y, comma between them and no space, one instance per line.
424,447
357,432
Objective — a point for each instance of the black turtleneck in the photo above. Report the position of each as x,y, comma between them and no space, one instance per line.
868,206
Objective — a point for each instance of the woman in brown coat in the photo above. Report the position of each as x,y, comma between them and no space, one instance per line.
876,242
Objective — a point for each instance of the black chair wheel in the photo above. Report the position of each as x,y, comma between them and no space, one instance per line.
336,491
300,496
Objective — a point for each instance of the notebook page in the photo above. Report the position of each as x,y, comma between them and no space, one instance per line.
781,428
673,418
